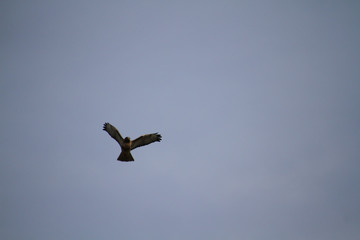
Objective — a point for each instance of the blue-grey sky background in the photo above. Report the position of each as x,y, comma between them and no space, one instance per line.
258,103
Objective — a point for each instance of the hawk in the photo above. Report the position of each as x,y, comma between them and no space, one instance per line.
126,144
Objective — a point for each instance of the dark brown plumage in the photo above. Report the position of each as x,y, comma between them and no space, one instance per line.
127,145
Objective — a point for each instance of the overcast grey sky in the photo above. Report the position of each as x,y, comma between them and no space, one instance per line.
257,102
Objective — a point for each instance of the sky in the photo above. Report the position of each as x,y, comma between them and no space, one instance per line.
257,103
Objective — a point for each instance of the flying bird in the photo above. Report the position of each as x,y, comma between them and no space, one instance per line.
126,144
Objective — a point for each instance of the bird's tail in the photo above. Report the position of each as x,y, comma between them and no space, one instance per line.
125,157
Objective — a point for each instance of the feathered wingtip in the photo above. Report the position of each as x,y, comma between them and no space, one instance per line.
158,137
104,127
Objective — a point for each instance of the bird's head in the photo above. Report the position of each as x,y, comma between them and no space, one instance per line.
127,140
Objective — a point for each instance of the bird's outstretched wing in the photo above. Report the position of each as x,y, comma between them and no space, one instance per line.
113,132
145,140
